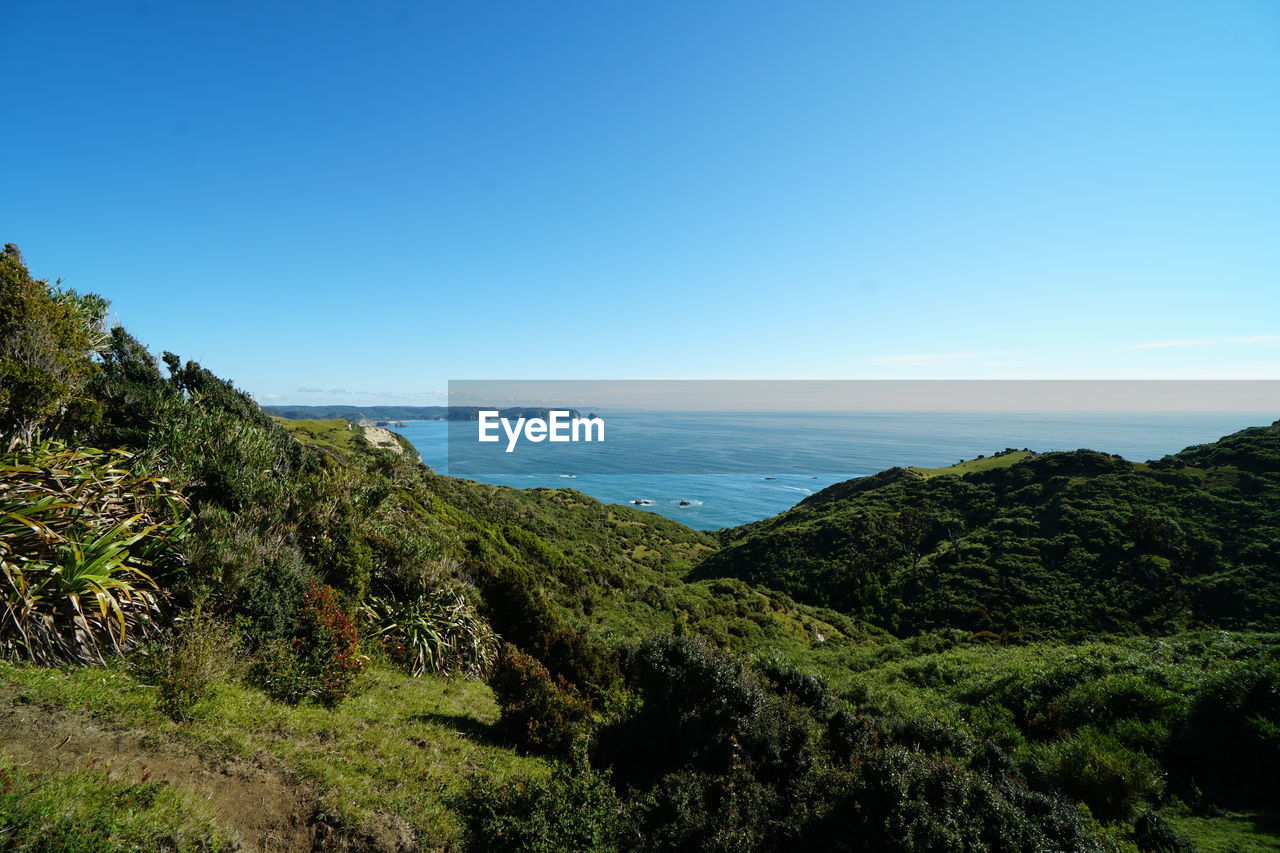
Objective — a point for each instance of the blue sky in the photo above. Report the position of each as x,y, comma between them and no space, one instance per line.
355,202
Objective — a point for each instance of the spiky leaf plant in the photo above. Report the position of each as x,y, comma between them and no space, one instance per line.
435,632
81,535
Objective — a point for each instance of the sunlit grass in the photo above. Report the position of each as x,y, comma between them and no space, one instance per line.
402,746
1236,831
970,466
88,812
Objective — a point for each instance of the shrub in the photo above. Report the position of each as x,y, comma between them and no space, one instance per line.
1229,740
808,690
721,763
693,700
897,800
1115,697
435,632
1099,771
330,644
591,668
725,812
574,811
537,711
519,610
1152,832
280,673
197,653
927,733
80,533
321,661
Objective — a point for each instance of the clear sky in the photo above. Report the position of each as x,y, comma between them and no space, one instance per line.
355,202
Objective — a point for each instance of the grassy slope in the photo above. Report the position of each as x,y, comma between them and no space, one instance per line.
86,811
617,571
408,747
433,733
336,434
614,570
411,747
971,466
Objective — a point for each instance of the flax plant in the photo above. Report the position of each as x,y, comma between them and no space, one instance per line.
81,536
435,632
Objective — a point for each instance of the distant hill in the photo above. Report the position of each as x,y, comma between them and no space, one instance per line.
404,413
1036,544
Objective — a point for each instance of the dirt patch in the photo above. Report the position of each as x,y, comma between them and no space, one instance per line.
266,810
383,439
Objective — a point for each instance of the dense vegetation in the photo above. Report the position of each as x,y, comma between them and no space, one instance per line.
1055,652
1050,544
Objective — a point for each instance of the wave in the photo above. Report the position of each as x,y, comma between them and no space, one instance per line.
798,489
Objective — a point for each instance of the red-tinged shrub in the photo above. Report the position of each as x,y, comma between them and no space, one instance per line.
320,660
331,643
539,712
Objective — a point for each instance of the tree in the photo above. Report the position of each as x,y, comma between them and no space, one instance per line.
47,340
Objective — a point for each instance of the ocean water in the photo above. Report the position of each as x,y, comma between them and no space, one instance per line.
777,459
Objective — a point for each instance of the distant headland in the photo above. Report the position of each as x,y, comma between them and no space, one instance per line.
406,413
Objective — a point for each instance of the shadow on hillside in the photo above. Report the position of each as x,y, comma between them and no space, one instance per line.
485,733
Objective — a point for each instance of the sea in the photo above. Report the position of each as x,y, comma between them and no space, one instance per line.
780,458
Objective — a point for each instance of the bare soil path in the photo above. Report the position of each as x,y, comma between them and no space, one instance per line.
266,810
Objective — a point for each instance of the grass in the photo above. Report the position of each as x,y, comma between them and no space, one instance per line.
402,746
746,619
970,466
337,434
88,812
948,674
1234,831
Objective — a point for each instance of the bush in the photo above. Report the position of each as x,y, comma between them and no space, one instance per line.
724,813
537,711
187,666
280,673
721,763
81,534
573,811
518,609
693,700
1229,741
321,661
435,632
1153,833
1099,771
897,800
808,690
331,643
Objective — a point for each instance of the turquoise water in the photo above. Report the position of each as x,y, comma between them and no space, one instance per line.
768,449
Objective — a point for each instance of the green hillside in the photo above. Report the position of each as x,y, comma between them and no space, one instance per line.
299,640
1050,544
336,434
